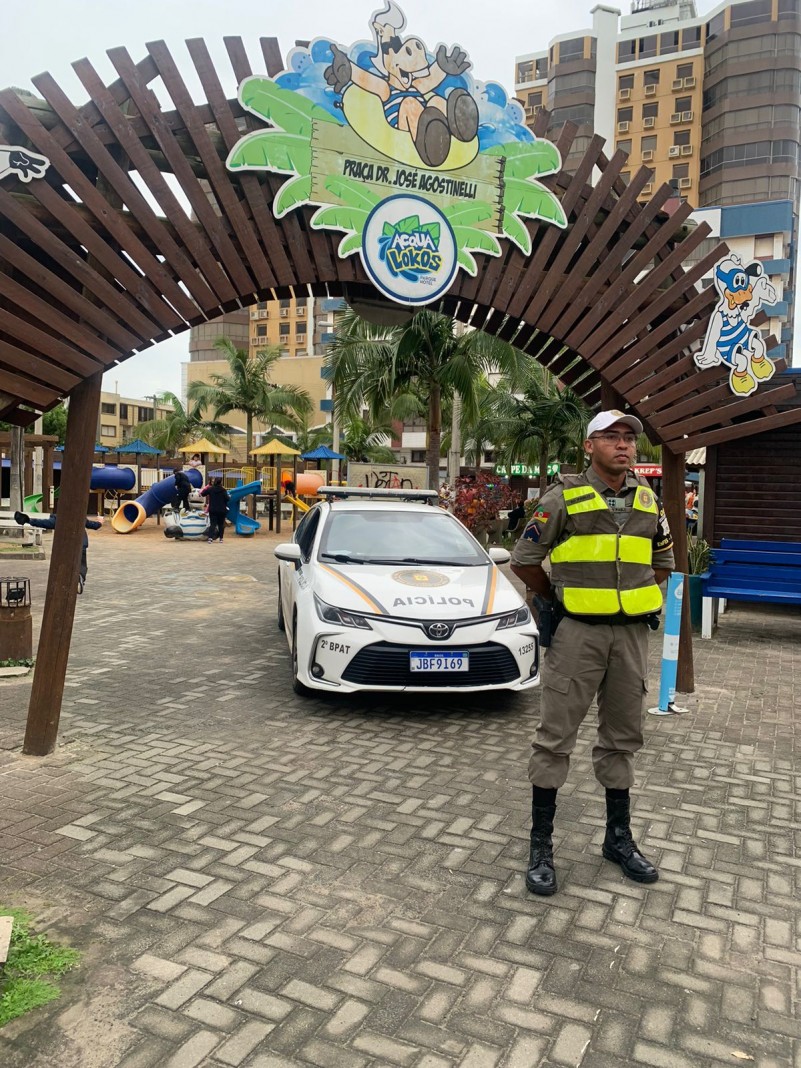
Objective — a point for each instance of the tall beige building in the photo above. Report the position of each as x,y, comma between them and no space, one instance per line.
301,327
711,104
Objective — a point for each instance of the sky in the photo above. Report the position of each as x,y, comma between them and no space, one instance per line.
48,35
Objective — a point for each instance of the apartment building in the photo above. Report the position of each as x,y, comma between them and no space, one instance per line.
120,415
711,104
302,328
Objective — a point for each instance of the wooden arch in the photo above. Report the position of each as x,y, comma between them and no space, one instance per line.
100,259
92,272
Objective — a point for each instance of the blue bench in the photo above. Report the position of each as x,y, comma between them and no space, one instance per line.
762,571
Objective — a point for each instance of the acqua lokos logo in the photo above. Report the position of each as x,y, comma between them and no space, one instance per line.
409,250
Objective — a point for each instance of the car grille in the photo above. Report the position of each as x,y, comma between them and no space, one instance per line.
384,664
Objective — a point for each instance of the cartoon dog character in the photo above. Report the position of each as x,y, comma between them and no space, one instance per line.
405,82
730,338
22,162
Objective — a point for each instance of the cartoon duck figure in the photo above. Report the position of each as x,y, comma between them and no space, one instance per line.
400,95
730,338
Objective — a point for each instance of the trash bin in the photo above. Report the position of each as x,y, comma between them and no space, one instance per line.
16,625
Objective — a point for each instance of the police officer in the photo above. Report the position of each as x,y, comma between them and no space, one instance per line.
609,546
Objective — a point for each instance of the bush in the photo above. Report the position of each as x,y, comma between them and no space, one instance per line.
480,497
699,555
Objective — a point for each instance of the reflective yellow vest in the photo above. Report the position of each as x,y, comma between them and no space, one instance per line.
603,569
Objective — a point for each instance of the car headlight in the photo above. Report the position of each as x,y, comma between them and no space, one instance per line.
340,616
514,619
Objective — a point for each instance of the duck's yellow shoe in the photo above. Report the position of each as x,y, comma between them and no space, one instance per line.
763,368
743,382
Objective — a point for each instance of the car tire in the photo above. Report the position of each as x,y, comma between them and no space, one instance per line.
297,685
280,619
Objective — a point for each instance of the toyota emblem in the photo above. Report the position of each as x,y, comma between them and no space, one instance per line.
439,631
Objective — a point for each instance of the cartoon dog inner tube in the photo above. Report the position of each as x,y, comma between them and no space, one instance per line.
365,114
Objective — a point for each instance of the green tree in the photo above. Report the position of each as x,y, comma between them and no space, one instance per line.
307,438
55,422
363,441
400,372
247,388
181,424
546,421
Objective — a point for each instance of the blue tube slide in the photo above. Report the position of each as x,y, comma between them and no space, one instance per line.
112,477
132,514
243,524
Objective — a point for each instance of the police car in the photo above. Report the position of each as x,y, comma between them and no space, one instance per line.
383,590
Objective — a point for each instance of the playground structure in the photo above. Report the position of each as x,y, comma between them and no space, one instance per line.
131,515
195,524
109,478
306,484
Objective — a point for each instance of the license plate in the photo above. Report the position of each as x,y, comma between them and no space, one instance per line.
450,661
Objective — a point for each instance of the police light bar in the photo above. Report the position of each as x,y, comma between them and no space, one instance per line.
343,493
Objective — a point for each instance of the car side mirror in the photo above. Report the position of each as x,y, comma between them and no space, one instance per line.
289,551
499,555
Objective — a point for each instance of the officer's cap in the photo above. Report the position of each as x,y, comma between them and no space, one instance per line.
603,420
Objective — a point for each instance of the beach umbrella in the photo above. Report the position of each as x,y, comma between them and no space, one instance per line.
278,449
138,448
275,448
204,445
322,452
205,448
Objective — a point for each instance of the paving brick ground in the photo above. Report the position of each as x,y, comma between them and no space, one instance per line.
261,880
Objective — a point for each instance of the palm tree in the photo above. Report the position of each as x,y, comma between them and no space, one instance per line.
179,425
307,438
363,441
545,421
405,371
247,388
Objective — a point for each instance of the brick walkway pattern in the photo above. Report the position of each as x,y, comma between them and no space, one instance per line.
261,880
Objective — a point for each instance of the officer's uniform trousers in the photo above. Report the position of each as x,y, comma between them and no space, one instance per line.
584,660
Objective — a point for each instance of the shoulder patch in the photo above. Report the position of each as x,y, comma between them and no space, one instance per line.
663,539
533,530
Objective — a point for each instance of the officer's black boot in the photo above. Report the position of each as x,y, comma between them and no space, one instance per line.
619,846
540,876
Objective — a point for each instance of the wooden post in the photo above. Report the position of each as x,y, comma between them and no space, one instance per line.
673,501
278,494
47,476
47,691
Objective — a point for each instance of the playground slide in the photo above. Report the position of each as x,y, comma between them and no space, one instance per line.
300,505
109,477
242,523
132,514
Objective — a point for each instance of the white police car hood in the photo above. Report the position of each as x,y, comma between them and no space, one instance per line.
440,592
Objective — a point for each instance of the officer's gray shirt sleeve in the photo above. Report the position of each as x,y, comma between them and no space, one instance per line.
542,531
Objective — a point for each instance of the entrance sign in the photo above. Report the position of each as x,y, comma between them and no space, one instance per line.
418,163
730,338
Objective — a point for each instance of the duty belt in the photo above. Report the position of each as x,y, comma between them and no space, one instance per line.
619,620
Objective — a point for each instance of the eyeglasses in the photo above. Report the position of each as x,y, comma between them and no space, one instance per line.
609,437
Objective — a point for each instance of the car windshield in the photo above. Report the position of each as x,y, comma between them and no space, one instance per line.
380,536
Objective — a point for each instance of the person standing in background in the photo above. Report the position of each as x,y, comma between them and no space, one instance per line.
218,498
